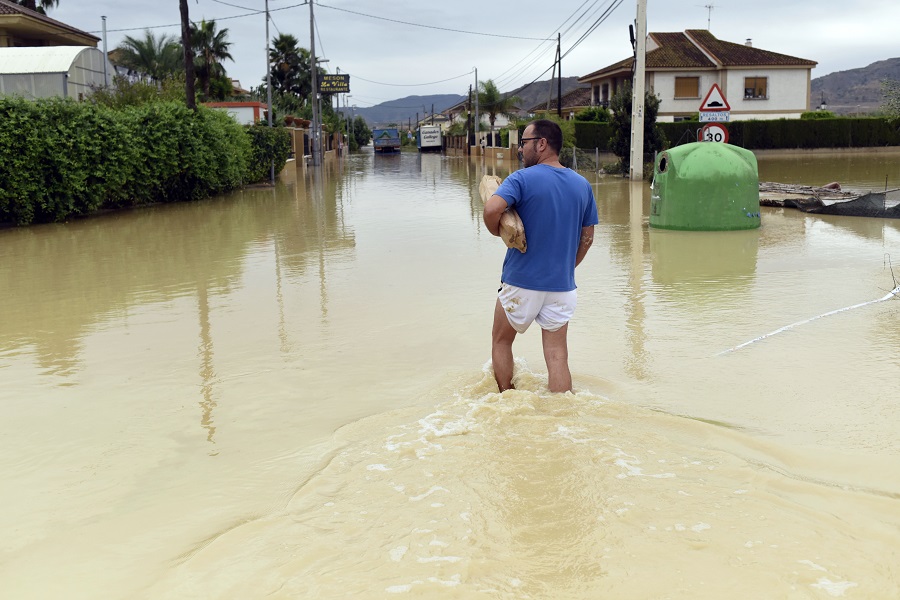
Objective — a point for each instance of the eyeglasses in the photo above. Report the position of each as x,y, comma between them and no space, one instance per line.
523,140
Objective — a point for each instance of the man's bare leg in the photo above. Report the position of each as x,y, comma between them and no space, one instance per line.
556,354
502,336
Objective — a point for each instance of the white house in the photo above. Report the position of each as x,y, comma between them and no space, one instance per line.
682,67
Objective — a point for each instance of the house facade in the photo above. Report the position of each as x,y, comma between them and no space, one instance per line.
682,67
572,103
21,27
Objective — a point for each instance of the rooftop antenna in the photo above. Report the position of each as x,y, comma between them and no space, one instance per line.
708,8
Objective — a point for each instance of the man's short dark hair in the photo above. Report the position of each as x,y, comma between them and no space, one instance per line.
550,131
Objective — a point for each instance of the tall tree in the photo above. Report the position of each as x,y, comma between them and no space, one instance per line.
191,96
289,66
493,103
890,90
210,50
39,6
620,143
157,58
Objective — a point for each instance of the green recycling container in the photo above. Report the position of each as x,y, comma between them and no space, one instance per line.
705,186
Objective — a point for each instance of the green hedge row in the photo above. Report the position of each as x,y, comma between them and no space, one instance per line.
60,158
860,132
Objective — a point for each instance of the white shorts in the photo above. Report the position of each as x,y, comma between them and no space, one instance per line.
550,310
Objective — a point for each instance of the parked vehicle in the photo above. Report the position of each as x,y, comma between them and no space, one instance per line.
428,137
386,140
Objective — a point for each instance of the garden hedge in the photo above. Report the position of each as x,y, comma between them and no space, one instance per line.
60,158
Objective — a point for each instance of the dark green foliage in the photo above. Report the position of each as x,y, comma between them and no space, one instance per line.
855,132
61,158
593,135
817,114
361,134
598,114
267,145
620,144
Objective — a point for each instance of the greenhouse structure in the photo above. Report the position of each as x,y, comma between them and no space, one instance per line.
50,71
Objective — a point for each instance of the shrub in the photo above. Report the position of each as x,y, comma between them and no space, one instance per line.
60,158
266,144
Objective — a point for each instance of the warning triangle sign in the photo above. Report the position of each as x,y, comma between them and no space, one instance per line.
715,100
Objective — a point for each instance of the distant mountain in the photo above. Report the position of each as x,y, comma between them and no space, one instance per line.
537,92
403,110
856,90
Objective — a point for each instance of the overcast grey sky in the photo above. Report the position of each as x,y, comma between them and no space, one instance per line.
397,48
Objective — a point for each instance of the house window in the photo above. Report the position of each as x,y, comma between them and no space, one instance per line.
687,87
756,88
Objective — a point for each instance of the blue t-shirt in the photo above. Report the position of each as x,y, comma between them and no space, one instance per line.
554,204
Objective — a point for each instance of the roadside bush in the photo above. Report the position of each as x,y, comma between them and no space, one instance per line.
266,144
60,158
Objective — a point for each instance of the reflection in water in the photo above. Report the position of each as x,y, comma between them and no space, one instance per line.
352,444
207,369
636,366
695,265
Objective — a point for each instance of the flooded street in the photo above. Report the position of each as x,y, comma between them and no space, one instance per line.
287,394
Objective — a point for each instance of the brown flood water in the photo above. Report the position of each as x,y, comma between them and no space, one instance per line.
286,394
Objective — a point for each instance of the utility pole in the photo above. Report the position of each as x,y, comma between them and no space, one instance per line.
559,78
105,56
313,68
477,119
269,91
432,114
636,166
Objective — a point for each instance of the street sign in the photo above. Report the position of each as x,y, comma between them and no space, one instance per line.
715,117
334,84
714,132
715,100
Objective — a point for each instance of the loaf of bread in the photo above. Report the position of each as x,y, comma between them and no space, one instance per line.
512,232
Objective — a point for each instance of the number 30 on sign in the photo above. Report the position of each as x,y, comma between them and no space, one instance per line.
714,132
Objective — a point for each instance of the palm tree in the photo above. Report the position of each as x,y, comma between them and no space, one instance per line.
157,58
39,8
290,66
210,49
191,97
494,103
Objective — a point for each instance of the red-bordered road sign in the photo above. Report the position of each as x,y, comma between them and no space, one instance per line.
713,132
715,100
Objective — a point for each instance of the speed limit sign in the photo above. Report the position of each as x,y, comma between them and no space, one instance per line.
714,132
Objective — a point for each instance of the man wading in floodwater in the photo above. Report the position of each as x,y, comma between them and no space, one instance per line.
558,212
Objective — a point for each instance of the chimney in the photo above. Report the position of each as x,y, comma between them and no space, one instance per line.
749,43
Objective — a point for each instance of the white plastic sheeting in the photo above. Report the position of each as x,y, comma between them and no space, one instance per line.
47,71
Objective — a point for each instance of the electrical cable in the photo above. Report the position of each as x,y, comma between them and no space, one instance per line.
492,35
411,84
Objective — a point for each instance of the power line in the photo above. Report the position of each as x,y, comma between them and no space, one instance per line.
411,84
492,35
249,14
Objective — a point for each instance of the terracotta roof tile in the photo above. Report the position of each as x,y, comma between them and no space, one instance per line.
678,51
571,99
740,55
11,8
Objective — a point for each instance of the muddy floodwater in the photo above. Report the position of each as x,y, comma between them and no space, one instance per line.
286,393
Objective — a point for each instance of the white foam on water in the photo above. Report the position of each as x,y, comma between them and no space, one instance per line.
568,433
400,589
833,588
398,553
431,559
701,527
431,490
378,467
632,471
812,565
